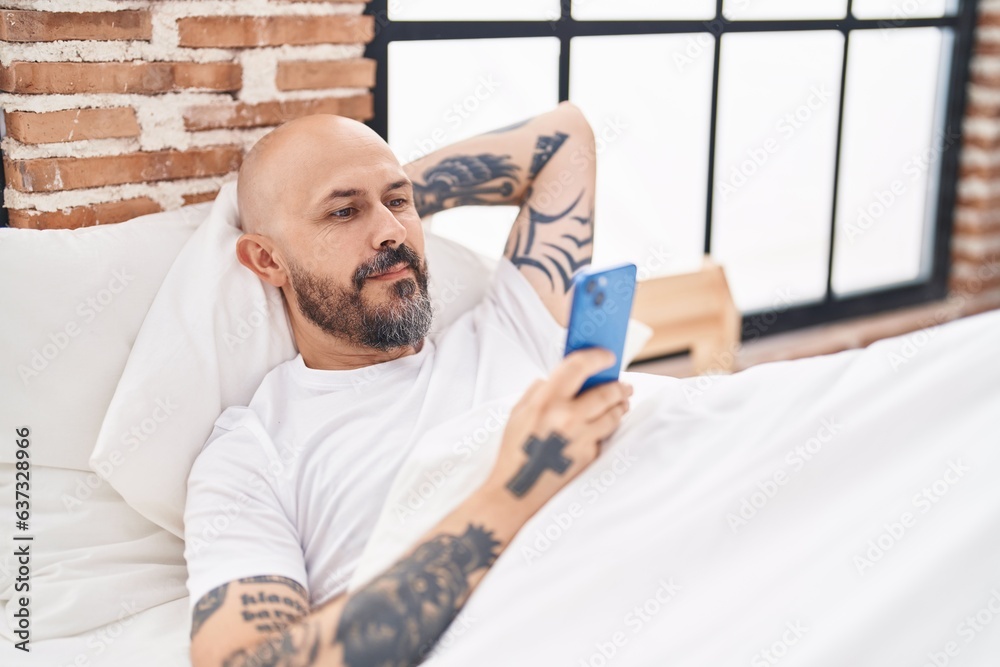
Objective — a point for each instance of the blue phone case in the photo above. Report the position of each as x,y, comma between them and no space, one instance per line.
602,304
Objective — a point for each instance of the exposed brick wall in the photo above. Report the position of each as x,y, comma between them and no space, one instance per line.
975,249
119,108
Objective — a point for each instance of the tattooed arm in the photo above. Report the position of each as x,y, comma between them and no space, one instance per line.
546,166
395,619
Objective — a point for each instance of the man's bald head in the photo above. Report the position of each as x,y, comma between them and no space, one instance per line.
329,218
273,170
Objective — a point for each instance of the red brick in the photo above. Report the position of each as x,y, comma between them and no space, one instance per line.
17,25
71,125
243,31
986,278
68,173
199,197
313,74
264,114
132,77
979,171
84,216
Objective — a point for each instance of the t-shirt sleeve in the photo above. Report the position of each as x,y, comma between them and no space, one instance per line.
234,523
520,312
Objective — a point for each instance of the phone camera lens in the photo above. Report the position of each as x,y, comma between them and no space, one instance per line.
599,299
591,286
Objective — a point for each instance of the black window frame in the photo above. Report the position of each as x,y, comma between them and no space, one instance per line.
831,308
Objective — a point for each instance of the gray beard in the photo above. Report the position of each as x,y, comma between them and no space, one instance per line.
346,314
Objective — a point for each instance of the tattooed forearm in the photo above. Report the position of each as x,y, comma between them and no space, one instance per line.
462,180
207,605
542,455
267,610
270,611
297,646
398,617
563,255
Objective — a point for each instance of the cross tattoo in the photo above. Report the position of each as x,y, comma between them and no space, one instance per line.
542,455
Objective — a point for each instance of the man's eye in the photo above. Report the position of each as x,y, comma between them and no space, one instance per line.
396,203
342,213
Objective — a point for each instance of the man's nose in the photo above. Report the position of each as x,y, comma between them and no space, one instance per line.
388,229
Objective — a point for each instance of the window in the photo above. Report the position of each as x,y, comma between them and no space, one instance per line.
810,147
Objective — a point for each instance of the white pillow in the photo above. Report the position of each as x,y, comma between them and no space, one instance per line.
74,304
71,311
211,335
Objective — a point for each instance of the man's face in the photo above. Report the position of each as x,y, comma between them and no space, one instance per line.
347,218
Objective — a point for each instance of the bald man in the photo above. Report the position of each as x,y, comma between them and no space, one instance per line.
287,490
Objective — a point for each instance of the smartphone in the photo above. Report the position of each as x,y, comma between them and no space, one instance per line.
598,317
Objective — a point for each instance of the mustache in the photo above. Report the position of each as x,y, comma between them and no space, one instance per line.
385,260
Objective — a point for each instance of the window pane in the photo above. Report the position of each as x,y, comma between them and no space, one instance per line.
444,91
902,9
889,159
652,128
588,10
740,10
775,156
464,10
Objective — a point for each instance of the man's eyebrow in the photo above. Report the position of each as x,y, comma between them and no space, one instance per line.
337,194
397,184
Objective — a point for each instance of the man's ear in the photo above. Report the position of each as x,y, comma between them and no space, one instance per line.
256,252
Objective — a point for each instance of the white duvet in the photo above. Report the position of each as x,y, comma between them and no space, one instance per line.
840,510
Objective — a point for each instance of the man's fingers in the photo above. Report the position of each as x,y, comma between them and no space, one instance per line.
579,365
605,425
594,402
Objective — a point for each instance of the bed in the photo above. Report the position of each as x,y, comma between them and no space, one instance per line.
834,510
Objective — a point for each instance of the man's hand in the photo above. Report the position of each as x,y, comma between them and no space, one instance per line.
552,434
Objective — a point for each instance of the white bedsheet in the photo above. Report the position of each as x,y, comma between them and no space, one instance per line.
640,562
840,510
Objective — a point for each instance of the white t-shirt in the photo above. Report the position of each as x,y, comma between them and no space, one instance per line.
292,485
